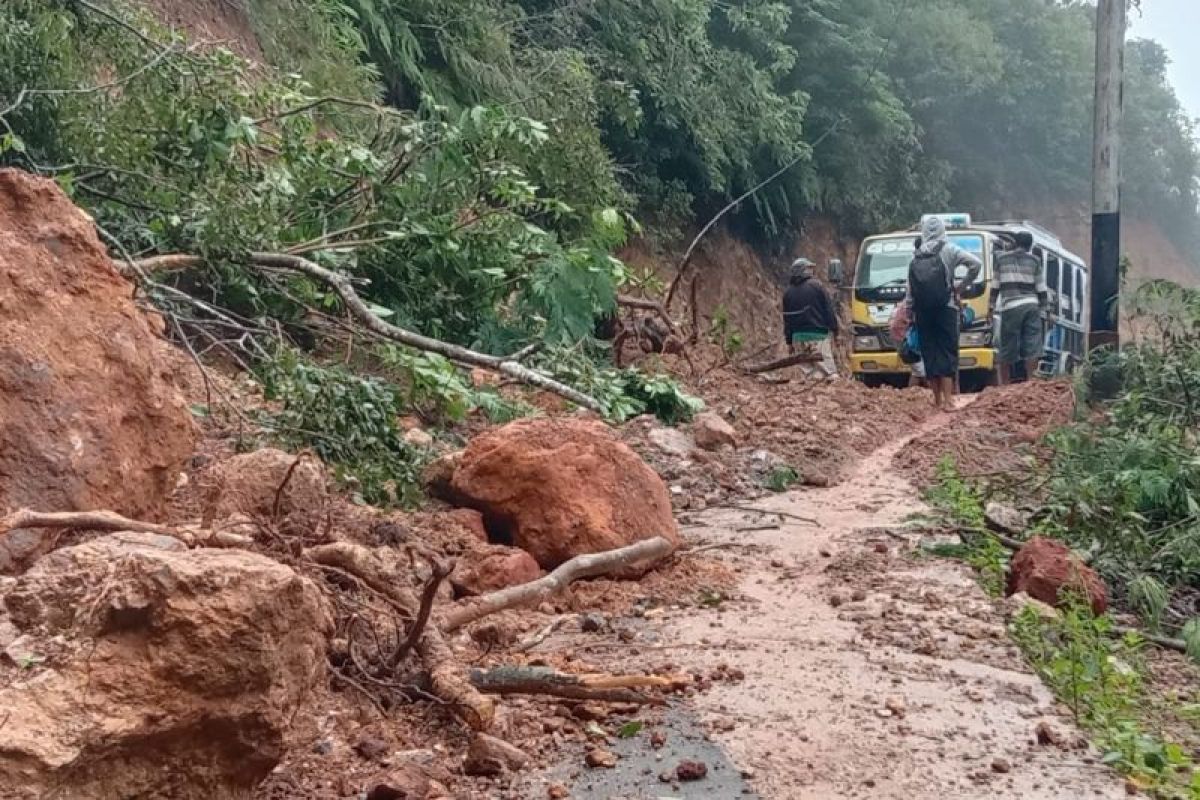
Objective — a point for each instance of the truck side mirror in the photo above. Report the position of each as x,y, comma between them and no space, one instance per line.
836,271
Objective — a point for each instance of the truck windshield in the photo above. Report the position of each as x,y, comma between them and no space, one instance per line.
884,262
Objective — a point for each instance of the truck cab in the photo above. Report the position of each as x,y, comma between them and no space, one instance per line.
880,285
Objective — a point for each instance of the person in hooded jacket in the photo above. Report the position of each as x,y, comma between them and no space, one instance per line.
938,325
809,318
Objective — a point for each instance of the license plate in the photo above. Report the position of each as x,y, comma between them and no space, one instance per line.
881,314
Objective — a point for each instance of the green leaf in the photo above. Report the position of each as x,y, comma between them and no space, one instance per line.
630,729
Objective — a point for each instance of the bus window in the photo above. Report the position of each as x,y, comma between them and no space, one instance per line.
1067,307
1051,278
1054,266
1080,286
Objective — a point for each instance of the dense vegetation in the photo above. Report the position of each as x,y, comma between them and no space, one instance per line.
1122,487
474,164
684,103
1125,485
668,108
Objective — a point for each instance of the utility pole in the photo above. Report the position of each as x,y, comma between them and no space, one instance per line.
1106,172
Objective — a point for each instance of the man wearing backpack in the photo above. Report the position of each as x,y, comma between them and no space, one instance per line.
933,299
1020,296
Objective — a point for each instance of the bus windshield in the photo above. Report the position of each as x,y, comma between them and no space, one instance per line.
884,262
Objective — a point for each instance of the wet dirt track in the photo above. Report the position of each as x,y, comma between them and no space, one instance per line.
870,671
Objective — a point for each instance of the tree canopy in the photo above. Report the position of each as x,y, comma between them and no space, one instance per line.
683,104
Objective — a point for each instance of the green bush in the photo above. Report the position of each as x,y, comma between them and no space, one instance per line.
348,420
1099,675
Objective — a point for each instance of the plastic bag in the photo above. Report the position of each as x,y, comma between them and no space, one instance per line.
909,348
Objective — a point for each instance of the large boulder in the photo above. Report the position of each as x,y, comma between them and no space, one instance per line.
89,417
558,488
1047,570
143,669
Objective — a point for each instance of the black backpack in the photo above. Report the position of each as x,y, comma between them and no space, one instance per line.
930,285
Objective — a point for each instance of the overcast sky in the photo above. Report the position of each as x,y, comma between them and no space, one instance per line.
1174,24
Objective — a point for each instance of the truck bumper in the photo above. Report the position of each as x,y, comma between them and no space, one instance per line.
889,363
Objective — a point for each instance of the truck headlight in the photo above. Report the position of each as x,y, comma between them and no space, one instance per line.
974,339
865,344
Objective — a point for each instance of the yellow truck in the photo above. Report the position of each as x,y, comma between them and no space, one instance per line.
880,283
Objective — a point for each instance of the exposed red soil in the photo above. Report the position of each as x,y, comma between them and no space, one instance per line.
996,435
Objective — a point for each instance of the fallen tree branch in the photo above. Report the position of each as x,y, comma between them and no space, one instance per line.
1178,645
359,309
445,673
277,504
544,633
439,572
544,680
585,566
1007,541
649,305
780,514
110,521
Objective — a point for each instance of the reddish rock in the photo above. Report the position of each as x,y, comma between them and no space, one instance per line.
167,672
712,432
1044,568
89,414
488,756
263,482
559,488
492,568
470,520
410,780
691,770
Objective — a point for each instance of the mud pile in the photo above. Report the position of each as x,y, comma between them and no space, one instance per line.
788,430
996,435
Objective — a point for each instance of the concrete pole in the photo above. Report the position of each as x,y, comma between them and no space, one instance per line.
1106,172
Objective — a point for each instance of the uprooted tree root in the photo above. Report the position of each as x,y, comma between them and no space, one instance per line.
370,586
447,679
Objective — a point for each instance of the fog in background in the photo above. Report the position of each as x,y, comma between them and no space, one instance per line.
1174,24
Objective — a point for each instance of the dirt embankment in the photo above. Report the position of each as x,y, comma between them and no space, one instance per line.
788,430
219,22
739,282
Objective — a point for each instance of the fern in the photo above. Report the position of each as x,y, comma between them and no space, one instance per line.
1191,638
1149,598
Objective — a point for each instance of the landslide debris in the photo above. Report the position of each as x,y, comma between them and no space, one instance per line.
142,669
89,415
559,488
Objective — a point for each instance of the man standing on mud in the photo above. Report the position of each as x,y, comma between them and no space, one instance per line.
1020,297
809,318
933,297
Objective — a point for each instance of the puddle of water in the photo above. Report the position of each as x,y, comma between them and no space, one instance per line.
636,775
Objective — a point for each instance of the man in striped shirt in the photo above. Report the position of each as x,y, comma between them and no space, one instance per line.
1020,296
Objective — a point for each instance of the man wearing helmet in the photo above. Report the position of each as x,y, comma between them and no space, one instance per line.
809,318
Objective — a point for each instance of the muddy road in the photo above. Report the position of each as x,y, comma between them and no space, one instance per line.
870,670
